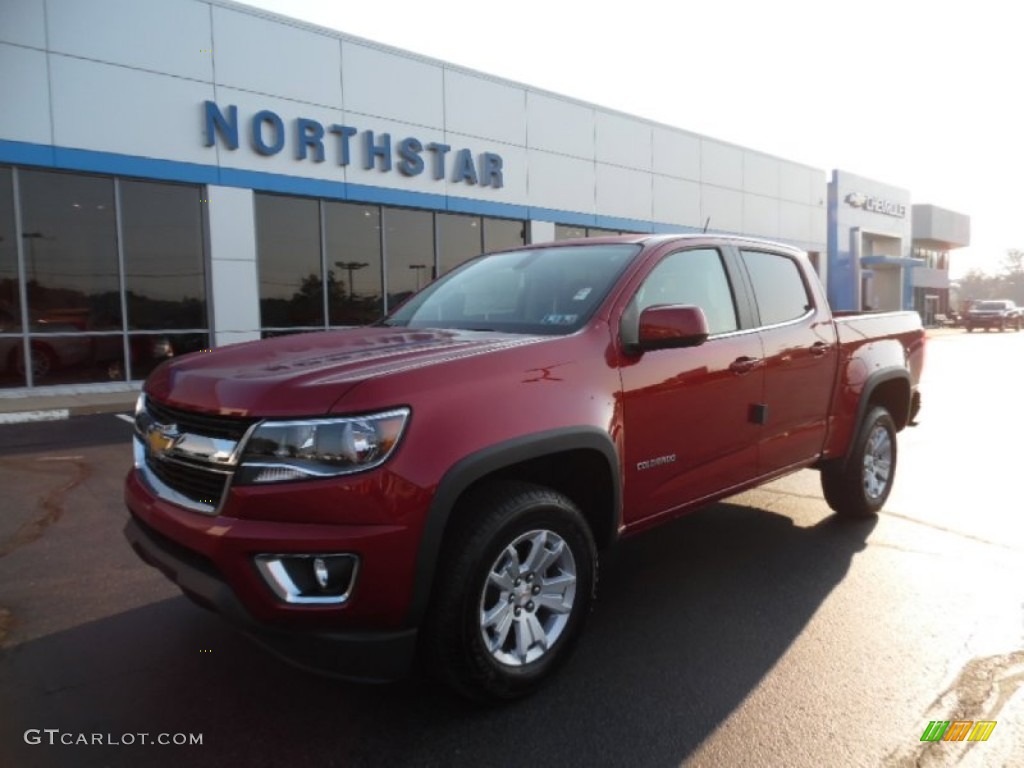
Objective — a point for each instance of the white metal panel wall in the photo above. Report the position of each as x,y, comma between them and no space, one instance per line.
724,208
818,225
760,174
542,231
263,56
475,106
357,173
556,125
622,141
557,154
169,37
817,188
515,174
795,221
795,183
557,181
929,222
161,119
676,201
23,22
370,76
25,95
676,153
721,164
234,281
623,192
760,215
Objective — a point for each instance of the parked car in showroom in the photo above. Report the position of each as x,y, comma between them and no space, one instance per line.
995,313
49,352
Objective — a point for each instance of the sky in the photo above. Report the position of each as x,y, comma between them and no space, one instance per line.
921,95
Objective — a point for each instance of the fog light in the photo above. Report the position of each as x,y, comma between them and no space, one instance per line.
313,579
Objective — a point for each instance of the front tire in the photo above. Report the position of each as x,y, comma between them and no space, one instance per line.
44,361
860,485
516,581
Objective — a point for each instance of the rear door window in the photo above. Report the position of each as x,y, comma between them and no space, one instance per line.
779,288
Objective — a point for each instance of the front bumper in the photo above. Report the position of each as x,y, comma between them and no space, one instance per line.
363,656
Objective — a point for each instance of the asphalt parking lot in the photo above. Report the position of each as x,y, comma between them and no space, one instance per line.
761,631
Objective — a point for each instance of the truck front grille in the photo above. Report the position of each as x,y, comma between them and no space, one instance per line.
187,458
223,427
201,485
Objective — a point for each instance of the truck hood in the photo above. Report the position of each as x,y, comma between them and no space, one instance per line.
306,374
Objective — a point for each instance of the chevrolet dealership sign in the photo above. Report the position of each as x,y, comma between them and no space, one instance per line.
877,205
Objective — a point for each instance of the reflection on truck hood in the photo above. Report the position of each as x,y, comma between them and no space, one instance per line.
305,374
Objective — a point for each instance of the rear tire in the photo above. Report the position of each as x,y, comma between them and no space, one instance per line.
516,581
859,485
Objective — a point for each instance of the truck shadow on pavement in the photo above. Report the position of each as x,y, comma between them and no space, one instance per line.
688,622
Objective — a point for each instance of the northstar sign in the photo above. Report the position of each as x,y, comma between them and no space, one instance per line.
268,135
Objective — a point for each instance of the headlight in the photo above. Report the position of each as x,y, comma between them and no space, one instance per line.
311,448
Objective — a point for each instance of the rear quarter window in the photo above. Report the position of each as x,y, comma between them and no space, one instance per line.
779,288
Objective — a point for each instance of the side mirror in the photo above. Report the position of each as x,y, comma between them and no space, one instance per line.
670,327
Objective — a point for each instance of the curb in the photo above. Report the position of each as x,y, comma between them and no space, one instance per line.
23,417
61,414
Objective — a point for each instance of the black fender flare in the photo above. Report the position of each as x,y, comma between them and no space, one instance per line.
486,461
873,382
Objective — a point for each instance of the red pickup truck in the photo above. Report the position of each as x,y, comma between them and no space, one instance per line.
439,485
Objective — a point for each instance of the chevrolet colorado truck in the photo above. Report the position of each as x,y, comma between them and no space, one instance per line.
997,313
438,486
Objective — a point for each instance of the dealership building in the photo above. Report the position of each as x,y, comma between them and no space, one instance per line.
885,253
192,173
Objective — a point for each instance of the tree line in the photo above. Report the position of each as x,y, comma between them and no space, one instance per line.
1007,283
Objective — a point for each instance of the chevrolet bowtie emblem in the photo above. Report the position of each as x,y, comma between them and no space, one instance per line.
161,438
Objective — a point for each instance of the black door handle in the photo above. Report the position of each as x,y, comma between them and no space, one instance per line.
742,365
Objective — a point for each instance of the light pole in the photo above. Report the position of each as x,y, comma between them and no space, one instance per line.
418,268
351,267
32,237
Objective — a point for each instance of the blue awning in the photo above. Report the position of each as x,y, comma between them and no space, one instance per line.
891,261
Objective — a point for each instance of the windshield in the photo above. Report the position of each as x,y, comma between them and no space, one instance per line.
990,305
551,291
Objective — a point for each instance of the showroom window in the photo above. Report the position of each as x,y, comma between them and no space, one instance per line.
502,234
164,271
409,252
288,254
362,261
459,238
113,277
569,232
355,270
11,338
